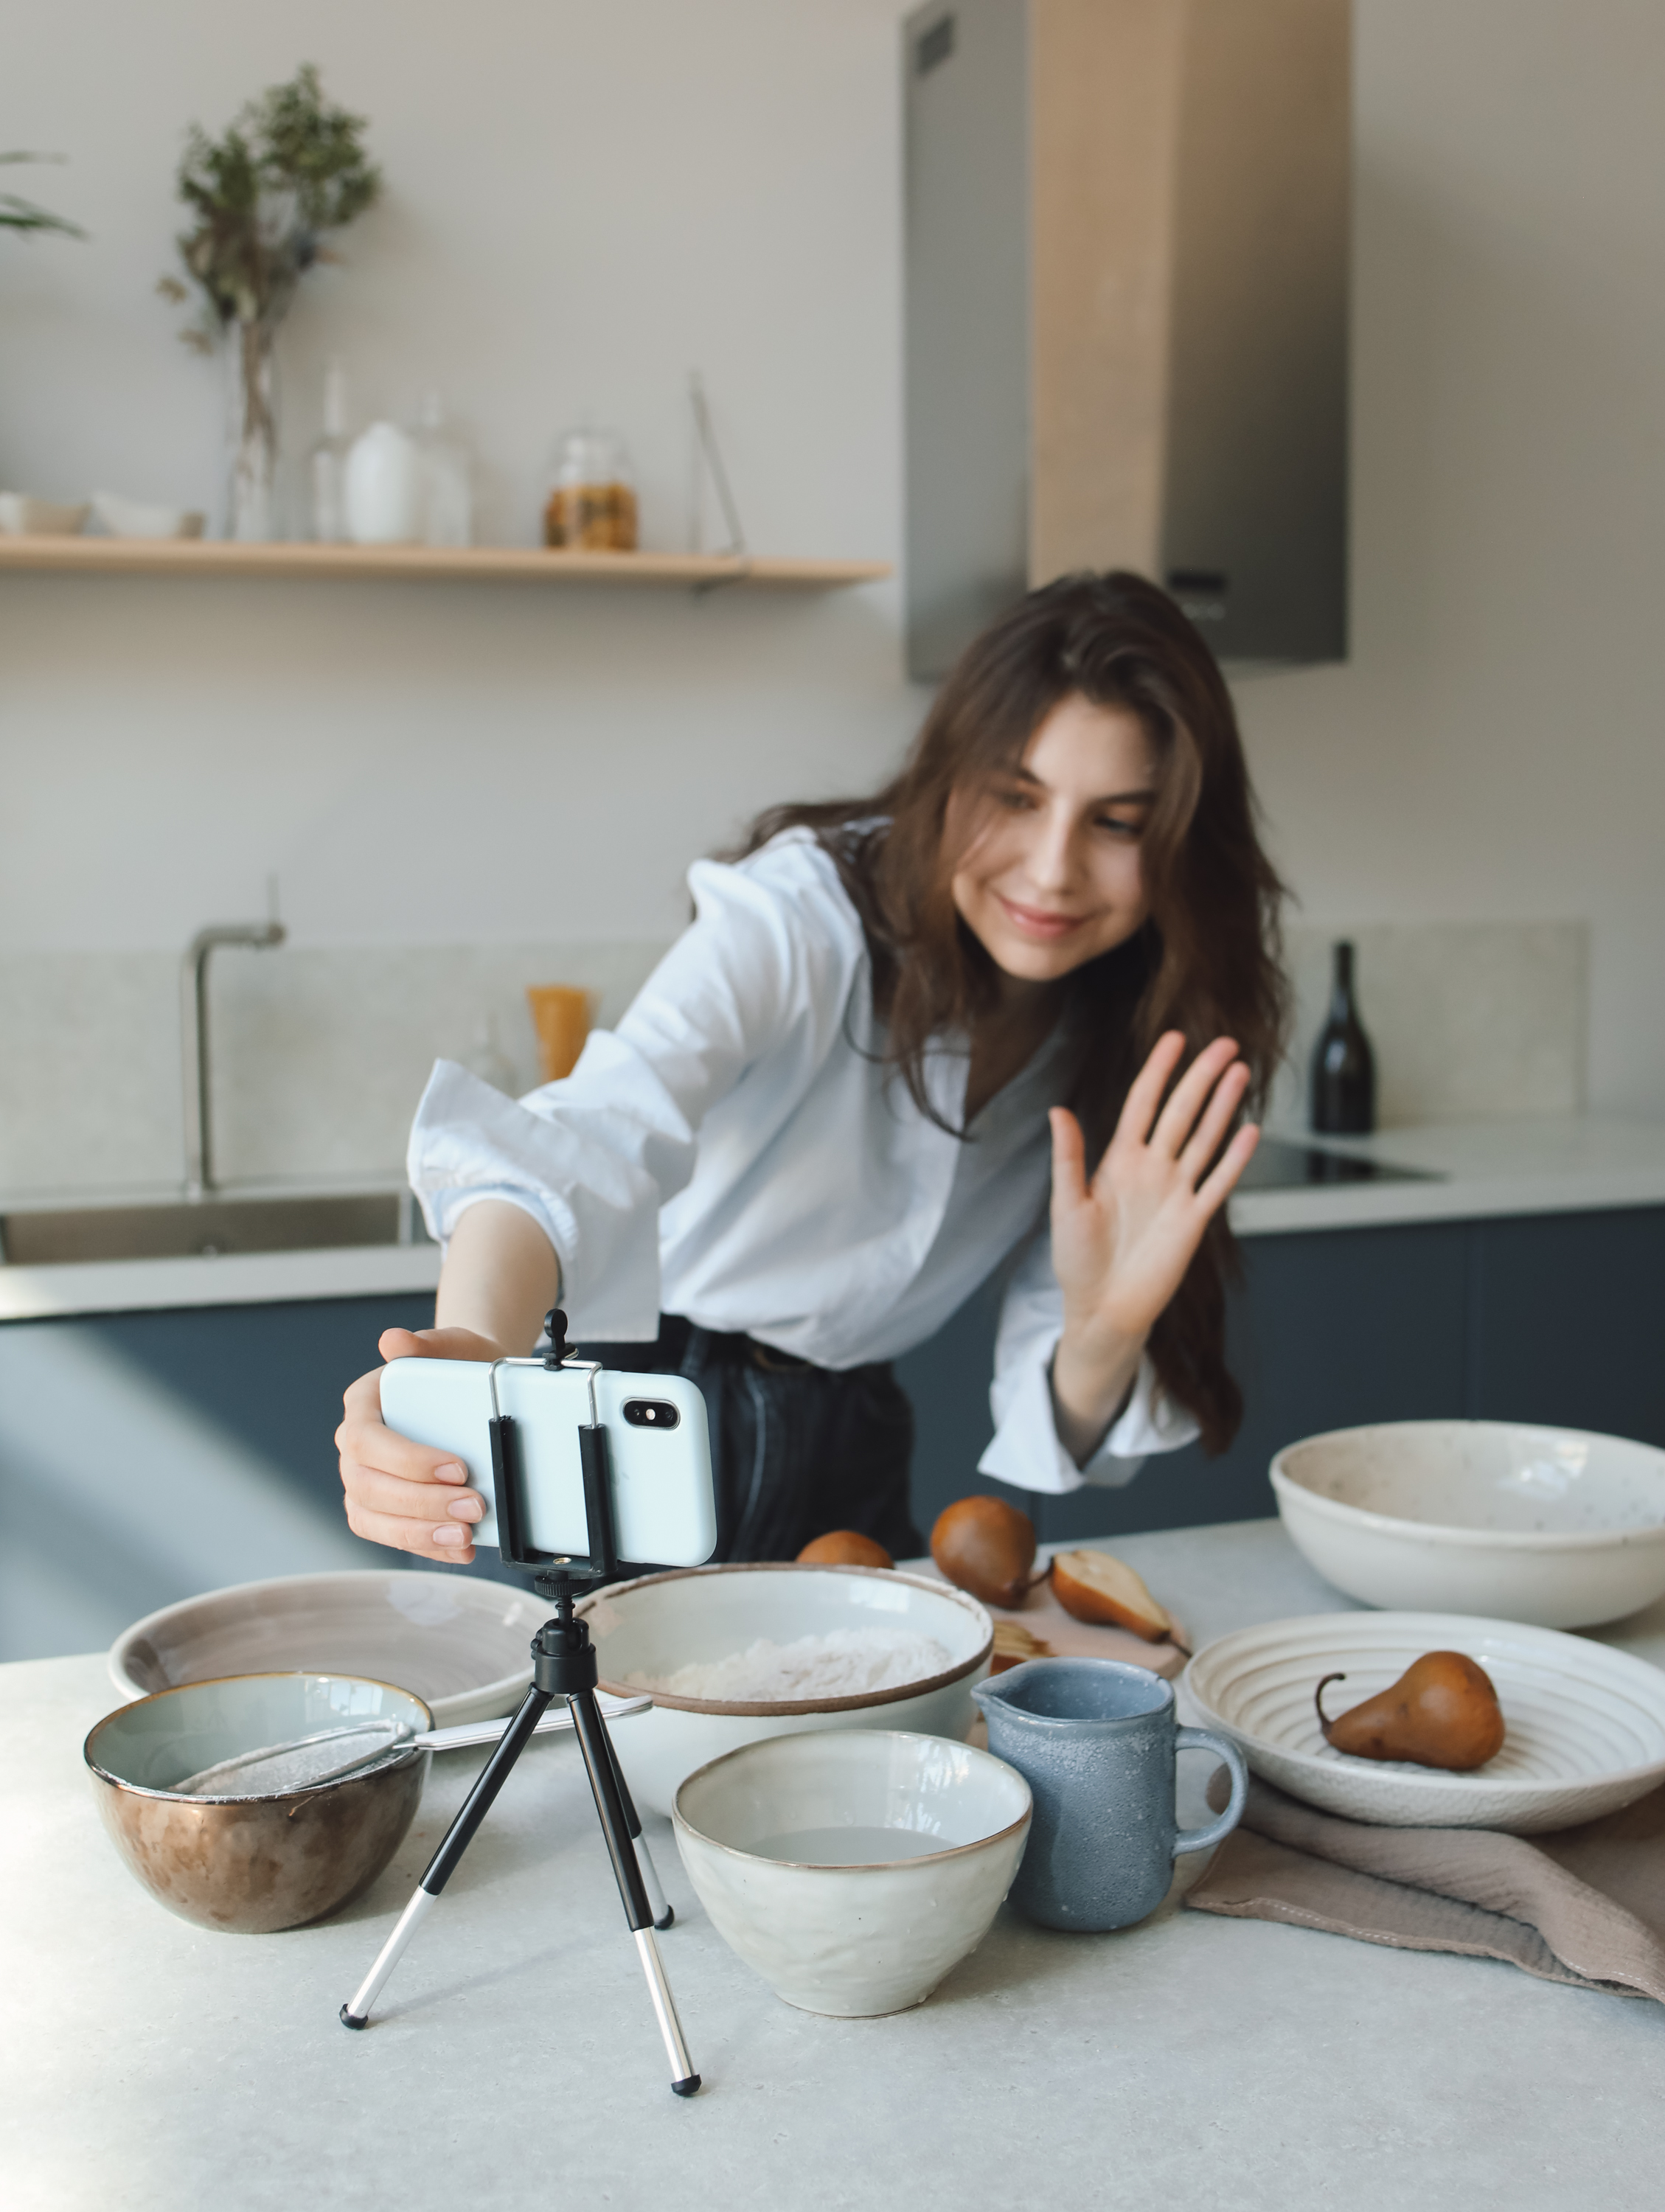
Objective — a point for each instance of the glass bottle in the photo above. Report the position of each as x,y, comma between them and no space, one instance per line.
1343,1065
327,466
448,501
592,505
488,1061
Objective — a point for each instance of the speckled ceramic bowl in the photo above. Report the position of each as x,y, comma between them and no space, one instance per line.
853,1869
646,1630
253,1864
459,1641
1558,1528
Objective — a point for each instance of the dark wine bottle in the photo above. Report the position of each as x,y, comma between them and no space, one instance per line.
1343,1065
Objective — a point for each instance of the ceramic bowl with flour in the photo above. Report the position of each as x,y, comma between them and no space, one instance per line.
732,1654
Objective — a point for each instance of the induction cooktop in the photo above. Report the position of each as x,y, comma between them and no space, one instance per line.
1280,1165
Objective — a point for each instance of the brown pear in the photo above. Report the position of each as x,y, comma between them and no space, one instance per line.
845,1547
987,1547
1442,1711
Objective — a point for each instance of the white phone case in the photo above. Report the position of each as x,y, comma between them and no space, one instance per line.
664,1509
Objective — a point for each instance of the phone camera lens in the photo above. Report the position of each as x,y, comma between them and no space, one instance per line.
651,1413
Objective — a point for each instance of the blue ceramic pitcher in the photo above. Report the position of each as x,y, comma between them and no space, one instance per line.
1095,1740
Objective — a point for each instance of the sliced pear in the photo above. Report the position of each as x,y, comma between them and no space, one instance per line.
1096,1587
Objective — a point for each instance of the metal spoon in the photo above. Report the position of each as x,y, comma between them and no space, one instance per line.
331,1753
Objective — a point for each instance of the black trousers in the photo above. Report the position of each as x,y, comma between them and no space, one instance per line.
796,1450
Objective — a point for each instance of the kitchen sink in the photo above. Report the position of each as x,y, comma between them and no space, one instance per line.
184,1229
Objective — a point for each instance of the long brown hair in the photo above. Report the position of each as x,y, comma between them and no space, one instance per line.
1207,960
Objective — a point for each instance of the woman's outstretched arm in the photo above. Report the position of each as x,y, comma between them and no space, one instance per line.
1121,1244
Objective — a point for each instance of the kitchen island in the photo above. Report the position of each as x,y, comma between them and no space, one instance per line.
1193,2062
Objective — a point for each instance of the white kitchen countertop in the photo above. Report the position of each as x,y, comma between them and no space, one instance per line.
1564,1164
1561,1164
1193,2062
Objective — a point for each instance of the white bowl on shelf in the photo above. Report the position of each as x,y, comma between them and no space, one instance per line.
136,518
1561,1528
22,515
660,1623
887,1857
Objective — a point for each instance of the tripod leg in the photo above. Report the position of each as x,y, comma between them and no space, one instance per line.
661,1913
591,1731
355,2013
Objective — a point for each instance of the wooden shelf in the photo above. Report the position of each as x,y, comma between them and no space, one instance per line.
491,564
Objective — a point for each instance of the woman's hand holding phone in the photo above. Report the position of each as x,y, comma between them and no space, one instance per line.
499,1277
400,1493
1121,1244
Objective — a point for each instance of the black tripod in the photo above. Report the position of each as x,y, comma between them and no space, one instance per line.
563,1666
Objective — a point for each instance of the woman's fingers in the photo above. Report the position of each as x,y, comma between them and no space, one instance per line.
372,1444
1069,1159
1212,1130
1144,1093
399,1492
449,1544
435,1344
1220,1186
1191,1092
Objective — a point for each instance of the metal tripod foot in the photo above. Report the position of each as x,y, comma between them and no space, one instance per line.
683,2080
355,2013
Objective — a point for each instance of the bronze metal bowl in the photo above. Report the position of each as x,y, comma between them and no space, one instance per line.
251,1865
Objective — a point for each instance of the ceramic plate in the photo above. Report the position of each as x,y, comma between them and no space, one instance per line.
458,1643
1586,1724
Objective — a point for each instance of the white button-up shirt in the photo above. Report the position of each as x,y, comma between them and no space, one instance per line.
736,1152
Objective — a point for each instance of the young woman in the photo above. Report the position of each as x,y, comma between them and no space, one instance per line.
1004,1014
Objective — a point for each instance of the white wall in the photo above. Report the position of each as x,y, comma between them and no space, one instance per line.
589,197
1497,746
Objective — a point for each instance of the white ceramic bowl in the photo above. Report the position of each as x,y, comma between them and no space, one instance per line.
137,518
1557,1527
886,1859
1585,1724
24,516
654,1626
459,1643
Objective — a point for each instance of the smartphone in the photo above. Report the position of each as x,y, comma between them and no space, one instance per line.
658,1451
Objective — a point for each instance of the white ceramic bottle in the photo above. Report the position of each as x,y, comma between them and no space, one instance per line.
384,488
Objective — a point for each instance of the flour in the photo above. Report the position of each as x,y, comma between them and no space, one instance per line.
847,1662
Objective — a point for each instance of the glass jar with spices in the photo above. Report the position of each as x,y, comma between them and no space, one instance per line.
592,499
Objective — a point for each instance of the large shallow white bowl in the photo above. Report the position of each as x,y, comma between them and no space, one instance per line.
661,1622
846,1927
1585,1724
1558,1527
458,1642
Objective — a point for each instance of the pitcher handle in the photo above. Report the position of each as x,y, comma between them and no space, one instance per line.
1199,1840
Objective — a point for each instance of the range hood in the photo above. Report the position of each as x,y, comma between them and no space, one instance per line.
1127,243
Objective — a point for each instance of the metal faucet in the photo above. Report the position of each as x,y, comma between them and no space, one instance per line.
193,1035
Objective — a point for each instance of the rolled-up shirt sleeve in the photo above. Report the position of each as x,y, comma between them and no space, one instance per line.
594,1158
1026,1448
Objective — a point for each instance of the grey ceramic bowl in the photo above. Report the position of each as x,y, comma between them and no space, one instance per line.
456,1640
251,1865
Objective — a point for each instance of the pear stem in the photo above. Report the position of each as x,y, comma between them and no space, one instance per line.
1318,1701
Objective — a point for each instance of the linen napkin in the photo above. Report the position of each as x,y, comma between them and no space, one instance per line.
1585,1906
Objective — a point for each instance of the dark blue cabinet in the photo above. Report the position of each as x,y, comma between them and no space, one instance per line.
1556,1318
1548,1317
